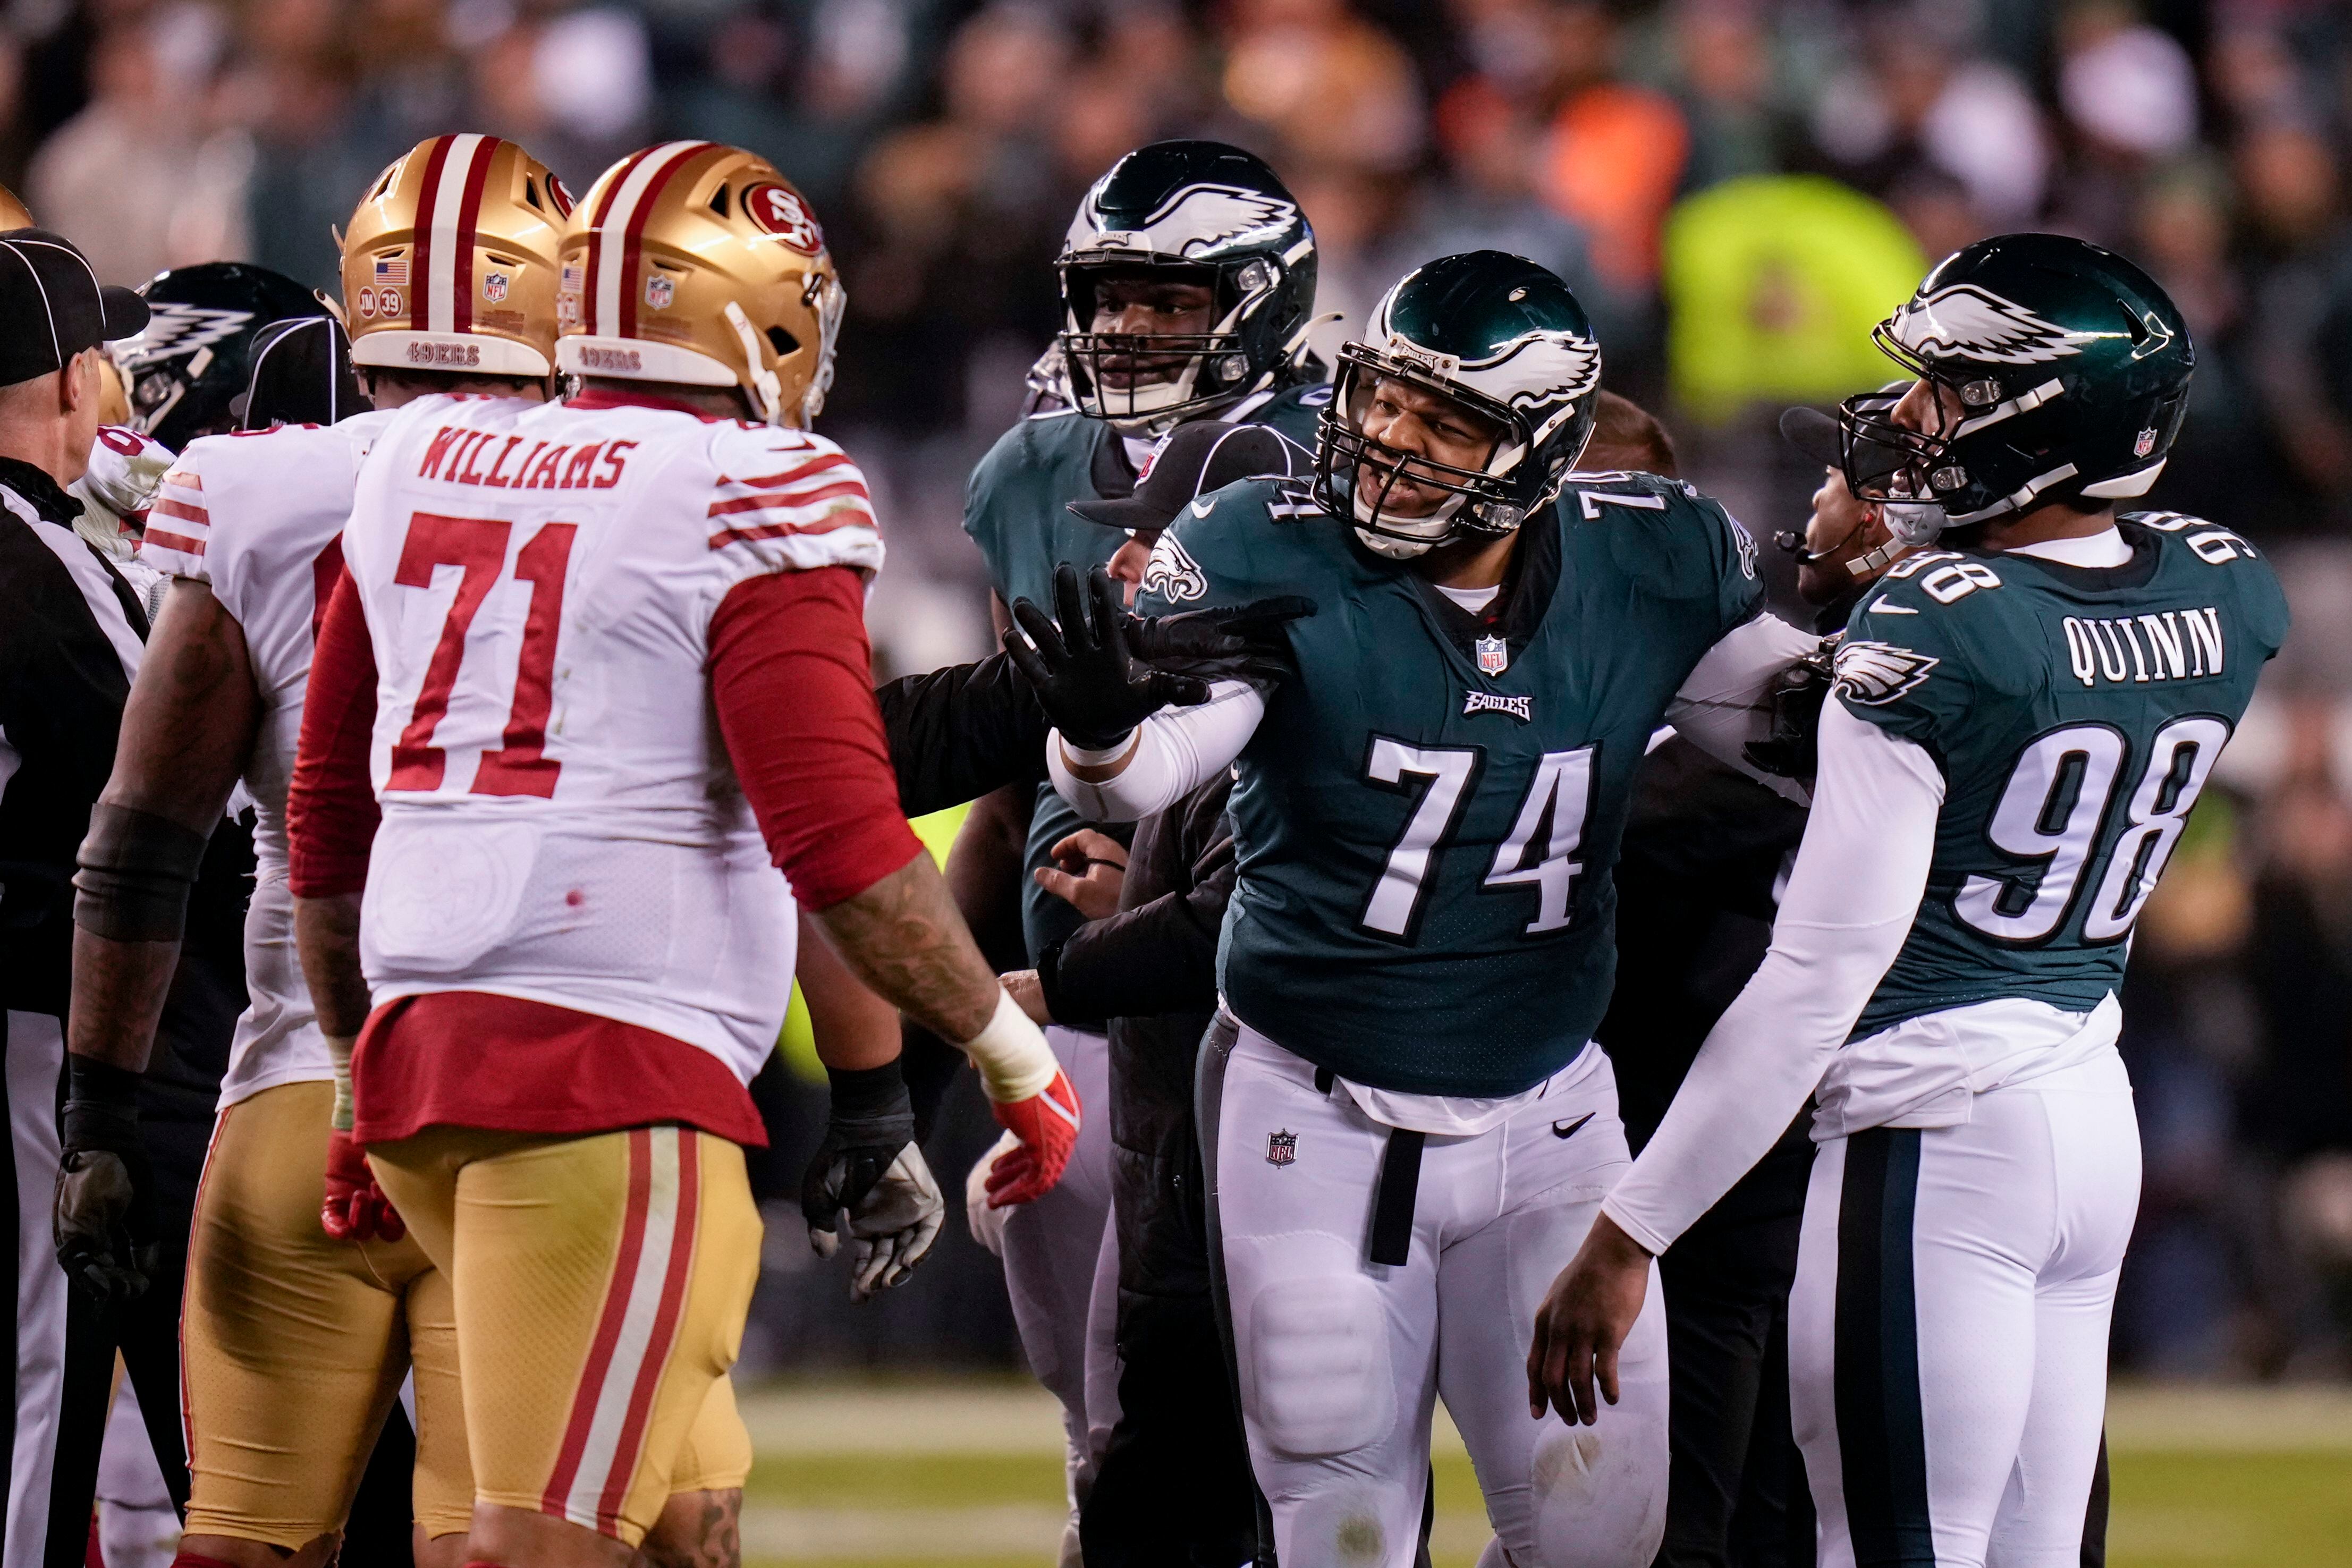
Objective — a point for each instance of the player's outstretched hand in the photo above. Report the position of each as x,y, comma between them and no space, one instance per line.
355,1209
1583,1322
1236,643
1047,1125
1084,669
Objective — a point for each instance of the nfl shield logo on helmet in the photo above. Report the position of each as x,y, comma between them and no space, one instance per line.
2145,444
660,291
494,287
1281,1148
1494,656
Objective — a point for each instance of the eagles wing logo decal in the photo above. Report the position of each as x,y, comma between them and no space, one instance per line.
1554,371
175,329
1967,321
1173,574
1874,673
1195,220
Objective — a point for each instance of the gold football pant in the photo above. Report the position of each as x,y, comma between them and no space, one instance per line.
600,1284
294,1343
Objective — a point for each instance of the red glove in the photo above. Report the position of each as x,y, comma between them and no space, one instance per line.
356,1209
1048,1126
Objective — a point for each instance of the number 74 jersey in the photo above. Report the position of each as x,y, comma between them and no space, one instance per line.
561,821
2075,713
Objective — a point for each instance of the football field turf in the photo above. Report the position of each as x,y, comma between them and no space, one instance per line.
968,1473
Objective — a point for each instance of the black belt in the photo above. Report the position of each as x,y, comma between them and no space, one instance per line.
1400,1186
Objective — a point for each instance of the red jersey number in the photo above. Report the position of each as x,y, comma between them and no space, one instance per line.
478,545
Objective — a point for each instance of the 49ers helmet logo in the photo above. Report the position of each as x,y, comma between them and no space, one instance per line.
783,215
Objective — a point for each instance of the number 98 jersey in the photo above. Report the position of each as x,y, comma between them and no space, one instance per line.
1427,816
561,823
2075,713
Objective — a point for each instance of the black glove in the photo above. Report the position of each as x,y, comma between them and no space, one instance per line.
108,1241
1793,748
1243,643
1086,672
867,1184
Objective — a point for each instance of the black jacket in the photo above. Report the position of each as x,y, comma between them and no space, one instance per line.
1150,971
958,733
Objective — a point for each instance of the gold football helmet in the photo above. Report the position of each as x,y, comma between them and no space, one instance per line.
449,264
696,263
14,213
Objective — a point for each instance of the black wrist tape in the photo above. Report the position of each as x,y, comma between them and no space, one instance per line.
137,870
99,1089
871,1104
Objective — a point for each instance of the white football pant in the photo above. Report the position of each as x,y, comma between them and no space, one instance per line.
1052,1251
1340,1358
1947,1331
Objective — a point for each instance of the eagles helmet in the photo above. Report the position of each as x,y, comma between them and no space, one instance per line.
1494,334
195,361
1195,212
2067,370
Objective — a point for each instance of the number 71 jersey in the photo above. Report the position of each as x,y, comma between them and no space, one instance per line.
2075,714
561,821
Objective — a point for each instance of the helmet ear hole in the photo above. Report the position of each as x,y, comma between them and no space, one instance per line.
531,192
719,201
783,342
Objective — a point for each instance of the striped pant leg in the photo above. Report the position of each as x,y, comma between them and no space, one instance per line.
1947,1329
600,1285
35,1058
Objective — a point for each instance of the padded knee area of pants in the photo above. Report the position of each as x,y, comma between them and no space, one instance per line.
1318,1365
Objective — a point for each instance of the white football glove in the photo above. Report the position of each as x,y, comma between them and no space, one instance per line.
986,1224
890,1229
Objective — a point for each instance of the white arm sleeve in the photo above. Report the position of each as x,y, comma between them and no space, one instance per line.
1175,751
1852,897
1720,707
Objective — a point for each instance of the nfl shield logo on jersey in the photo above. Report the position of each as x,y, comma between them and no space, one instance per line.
1281,1148
1494,657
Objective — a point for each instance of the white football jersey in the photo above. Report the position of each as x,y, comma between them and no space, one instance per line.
259,516
561,823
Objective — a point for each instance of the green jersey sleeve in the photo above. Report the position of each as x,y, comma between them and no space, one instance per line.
1673,542
1907,661
1226,549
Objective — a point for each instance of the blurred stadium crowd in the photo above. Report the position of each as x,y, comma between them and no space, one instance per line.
1737,187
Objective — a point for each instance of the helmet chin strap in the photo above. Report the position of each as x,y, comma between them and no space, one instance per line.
1367,513
767,392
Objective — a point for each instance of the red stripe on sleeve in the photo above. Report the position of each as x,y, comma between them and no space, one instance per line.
792,676
331,809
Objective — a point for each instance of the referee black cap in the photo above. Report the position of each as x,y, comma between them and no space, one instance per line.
302,375
1203,456
51,306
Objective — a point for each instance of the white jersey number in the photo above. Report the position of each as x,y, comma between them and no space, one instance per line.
2055,811
1560,792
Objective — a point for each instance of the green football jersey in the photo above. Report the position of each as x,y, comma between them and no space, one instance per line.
1017,510
2075,713
1427,816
